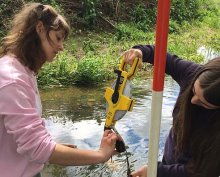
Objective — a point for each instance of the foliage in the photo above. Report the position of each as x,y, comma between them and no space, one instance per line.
59,72
89,12
144,18
67,70
90,57
129,32
92,70
7,9
185,10
90,46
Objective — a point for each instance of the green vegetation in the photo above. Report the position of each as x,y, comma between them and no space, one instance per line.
91,55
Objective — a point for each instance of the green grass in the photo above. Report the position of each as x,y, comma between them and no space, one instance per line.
90,57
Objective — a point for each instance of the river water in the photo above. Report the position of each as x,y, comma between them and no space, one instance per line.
76,115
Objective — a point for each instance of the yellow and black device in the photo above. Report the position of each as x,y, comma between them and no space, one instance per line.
118,97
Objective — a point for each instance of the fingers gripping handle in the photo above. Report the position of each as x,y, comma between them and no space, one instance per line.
120,145
133,69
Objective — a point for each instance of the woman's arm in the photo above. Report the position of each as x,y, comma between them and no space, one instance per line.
176,67
64,155
173,170
24,124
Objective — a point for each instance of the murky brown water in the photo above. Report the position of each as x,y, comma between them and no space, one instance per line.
77,115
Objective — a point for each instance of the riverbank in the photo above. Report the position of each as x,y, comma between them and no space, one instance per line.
90,57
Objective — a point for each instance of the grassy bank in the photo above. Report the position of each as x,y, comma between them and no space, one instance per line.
91,57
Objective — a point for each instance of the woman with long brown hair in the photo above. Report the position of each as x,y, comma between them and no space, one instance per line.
192,148
36,36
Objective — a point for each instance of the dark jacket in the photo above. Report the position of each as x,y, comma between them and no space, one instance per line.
182,72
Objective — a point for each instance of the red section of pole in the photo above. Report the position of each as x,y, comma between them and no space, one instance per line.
162,27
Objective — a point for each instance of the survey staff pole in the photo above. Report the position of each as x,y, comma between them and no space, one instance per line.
162,27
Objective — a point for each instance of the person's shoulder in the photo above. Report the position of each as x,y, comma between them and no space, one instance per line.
12,71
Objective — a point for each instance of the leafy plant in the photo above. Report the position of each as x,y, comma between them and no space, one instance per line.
7,9
59,72
90,12
92,70
144,17
129,32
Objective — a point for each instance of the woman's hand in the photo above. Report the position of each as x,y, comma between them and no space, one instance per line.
131,54
107,146
141,172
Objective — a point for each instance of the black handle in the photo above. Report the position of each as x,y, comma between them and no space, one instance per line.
115,95
120,146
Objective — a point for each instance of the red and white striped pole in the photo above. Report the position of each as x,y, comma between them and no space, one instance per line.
162,27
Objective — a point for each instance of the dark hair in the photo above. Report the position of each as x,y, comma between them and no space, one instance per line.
204,143
23,40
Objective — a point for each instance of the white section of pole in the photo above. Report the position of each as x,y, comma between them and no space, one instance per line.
154,134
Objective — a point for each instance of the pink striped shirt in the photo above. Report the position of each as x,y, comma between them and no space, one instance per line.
25,144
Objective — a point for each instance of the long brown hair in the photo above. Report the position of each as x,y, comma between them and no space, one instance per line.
203,143
23,40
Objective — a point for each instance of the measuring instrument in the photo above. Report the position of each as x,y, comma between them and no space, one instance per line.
118,97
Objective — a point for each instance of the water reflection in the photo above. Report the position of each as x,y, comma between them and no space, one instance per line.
77,115
208,53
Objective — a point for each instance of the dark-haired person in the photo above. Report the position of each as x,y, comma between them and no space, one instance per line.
192,148
36,37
